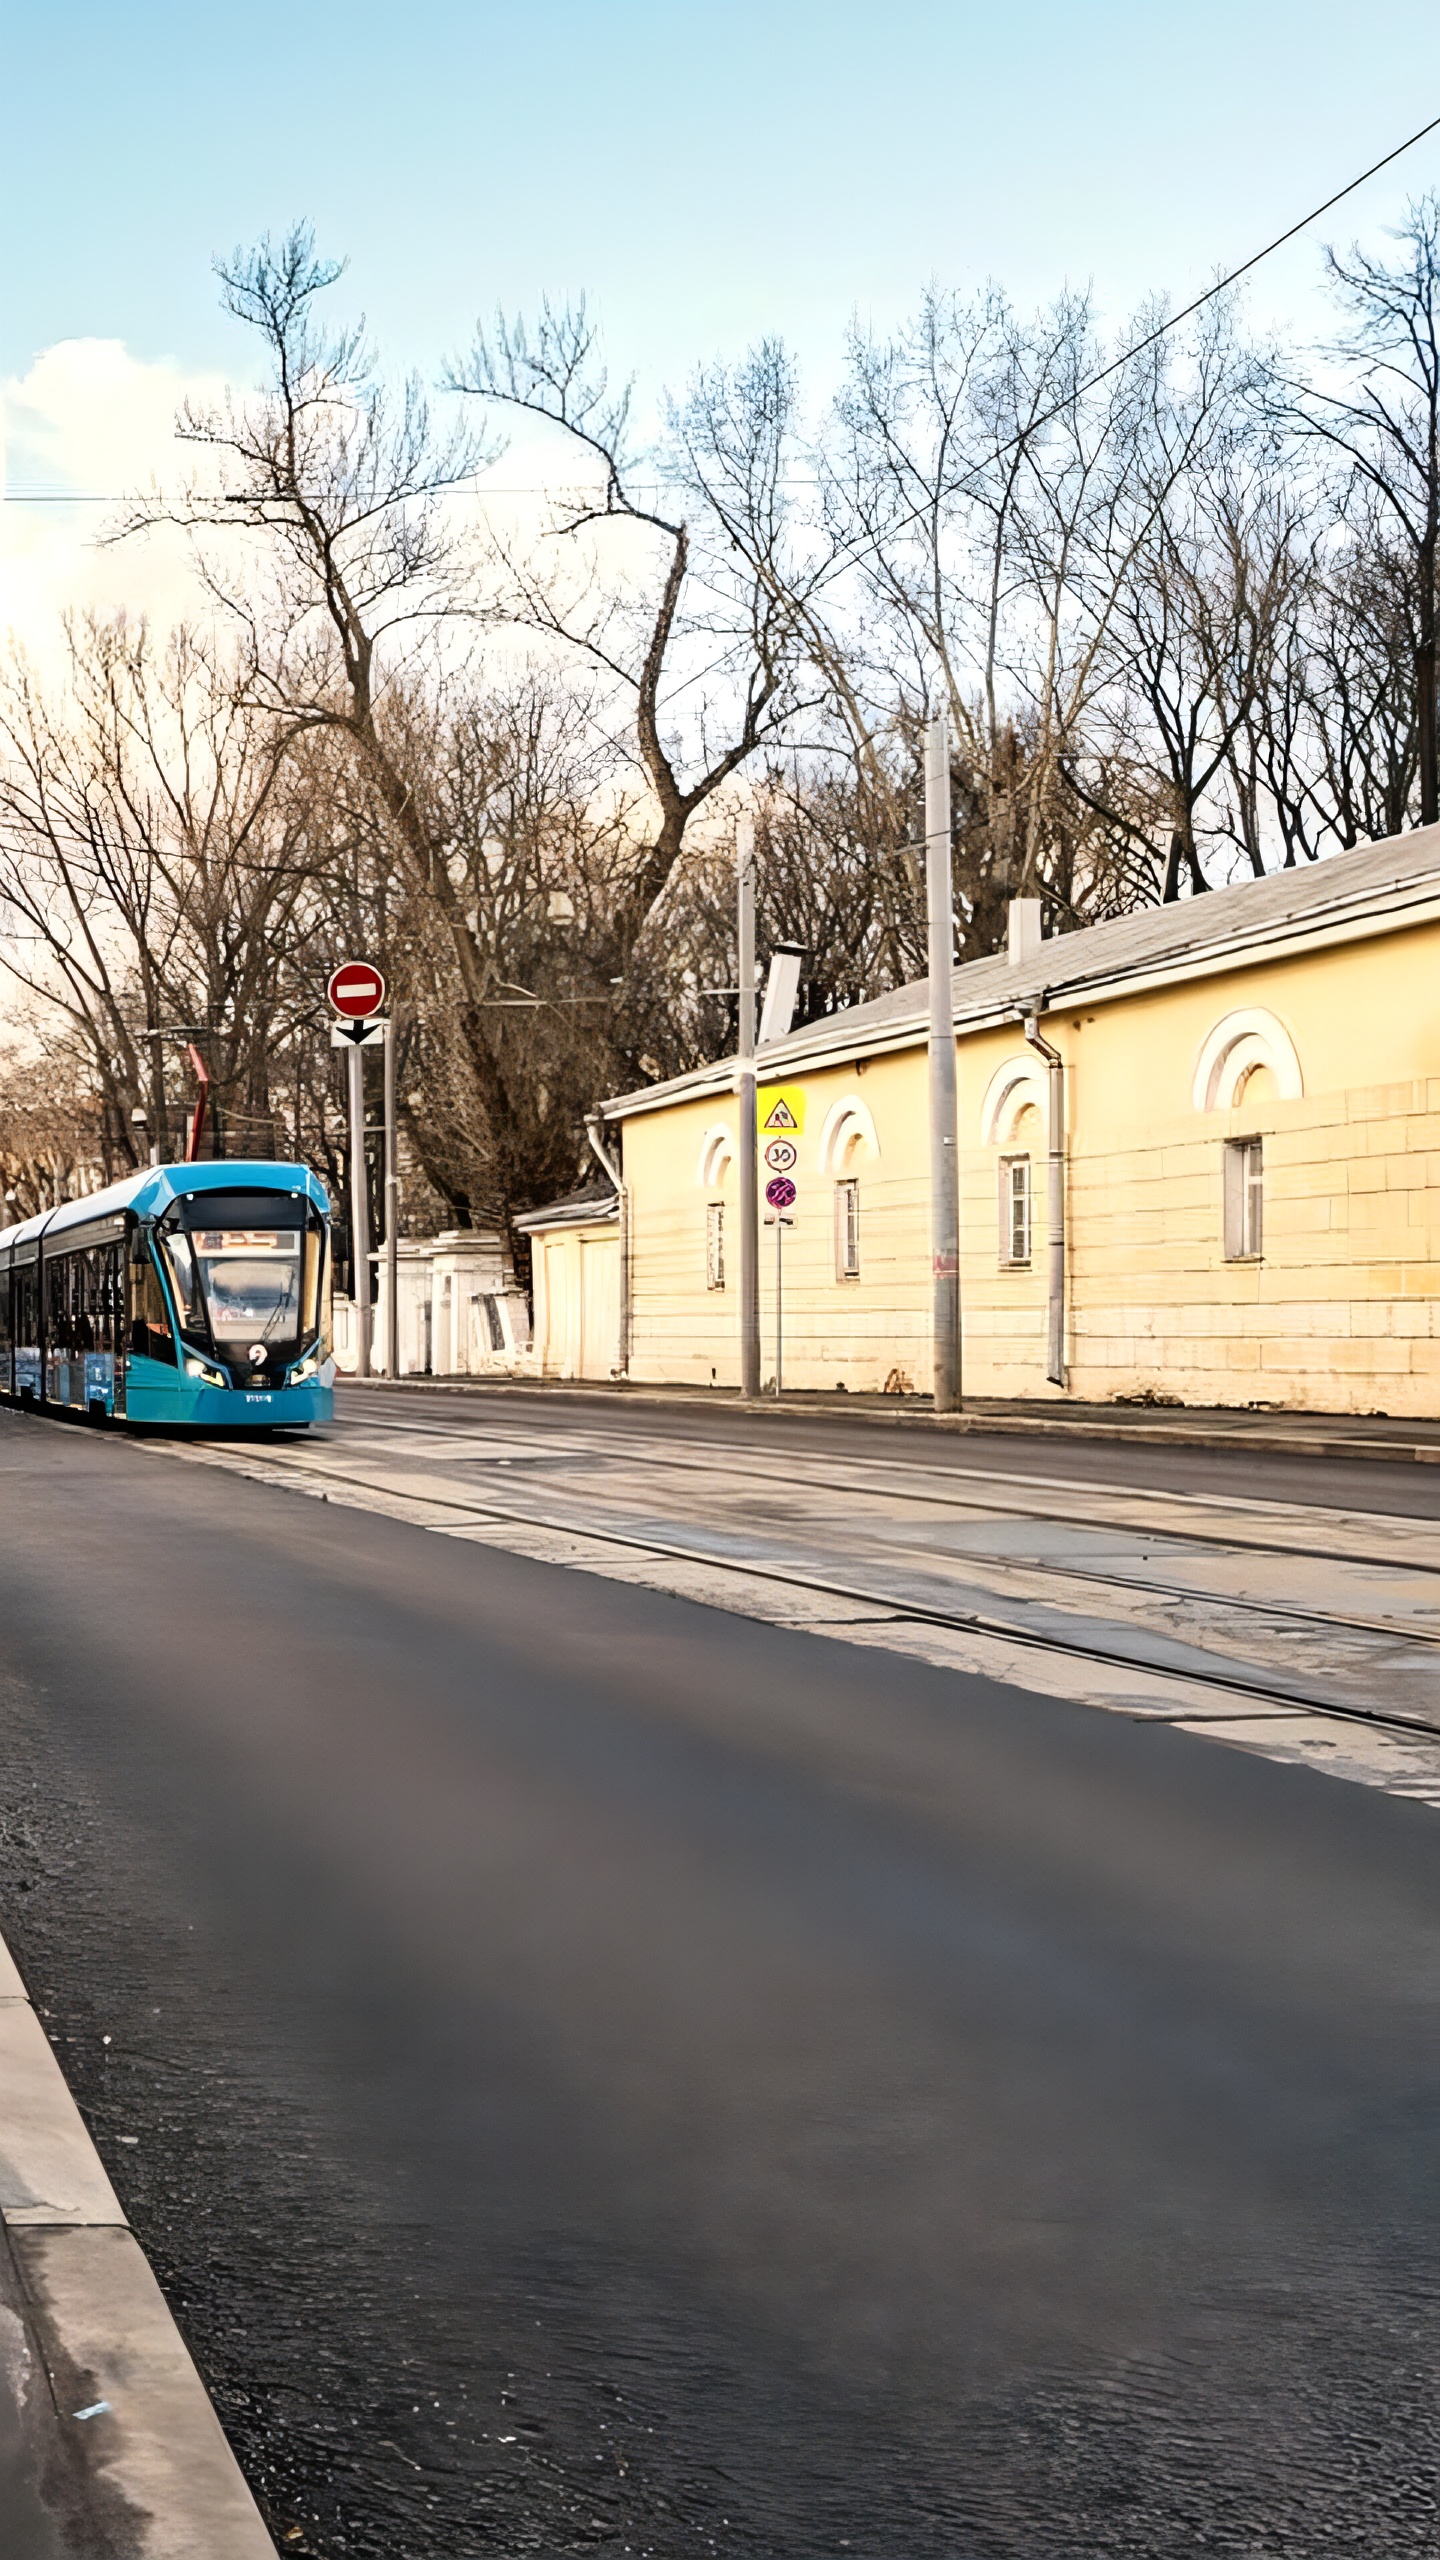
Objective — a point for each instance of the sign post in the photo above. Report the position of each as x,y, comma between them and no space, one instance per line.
745,1093
780,1196
357,992
392,1214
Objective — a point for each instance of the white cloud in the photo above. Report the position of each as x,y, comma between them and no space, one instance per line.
90,422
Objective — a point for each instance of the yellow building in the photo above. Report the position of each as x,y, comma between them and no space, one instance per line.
1244,1105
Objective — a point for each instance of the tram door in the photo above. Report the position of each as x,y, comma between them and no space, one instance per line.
25,1325
83,1318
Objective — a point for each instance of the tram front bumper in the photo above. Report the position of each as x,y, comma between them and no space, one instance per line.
206,1408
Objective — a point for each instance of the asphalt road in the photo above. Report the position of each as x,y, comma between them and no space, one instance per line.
590,2070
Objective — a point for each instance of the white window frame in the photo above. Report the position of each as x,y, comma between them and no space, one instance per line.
847,1229
715,1244
1016,1192
1244,1200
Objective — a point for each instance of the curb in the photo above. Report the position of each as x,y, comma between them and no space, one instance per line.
123,2452
1224,1439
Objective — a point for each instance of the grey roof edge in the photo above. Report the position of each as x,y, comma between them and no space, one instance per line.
1374,886
595,1210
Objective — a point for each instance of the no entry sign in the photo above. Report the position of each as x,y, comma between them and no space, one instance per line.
356,990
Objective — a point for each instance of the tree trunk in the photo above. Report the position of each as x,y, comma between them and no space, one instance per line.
1425,681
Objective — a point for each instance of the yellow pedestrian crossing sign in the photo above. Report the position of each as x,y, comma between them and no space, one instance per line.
781,1110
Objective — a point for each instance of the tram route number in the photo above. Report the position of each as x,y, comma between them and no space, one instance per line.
781,1156
781,1192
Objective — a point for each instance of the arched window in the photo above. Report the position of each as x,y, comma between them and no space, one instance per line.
1016,1087
847,1143
1243,1045
717,1153
847,1137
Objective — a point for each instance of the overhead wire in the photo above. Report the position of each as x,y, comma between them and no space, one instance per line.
1128,355
67,498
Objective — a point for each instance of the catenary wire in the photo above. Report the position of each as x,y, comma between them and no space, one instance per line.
59,498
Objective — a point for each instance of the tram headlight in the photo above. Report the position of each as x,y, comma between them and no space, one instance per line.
304,1371
202,1369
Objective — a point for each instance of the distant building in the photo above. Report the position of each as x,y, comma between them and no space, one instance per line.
462,1312
1246,1103
575,1264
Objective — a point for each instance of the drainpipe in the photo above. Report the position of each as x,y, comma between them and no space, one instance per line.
610,1164
1055,1065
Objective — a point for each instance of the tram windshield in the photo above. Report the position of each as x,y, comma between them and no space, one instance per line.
258,1282
251,1280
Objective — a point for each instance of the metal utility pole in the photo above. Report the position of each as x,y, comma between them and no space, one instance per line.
359,1211
944,1166
392,1214
1055,1326
748,1159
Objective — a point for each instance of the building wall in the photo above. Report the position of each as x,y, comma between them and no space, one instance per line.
450,1286
850,1332
1341,1312
576,1273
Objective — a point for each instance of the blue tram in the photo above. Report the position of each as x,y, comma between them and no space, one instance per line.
196,1294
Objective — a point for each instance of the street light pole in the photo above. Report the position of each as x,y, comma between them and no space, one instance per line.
747,1161
944,1167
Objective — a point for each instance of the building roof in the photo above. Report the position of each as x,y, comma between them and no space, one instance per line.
1375,889
590,1207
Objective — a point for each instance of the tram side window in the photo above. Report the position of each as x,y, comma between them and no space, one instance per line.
150,1334
60,1277
316,1298
98,1293
184,1278
87,1318
27,1307
112,1297
7,1335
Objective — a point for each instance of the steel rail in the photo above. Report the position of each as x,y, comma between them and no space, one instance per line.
659,1451
1279,1610
963,1621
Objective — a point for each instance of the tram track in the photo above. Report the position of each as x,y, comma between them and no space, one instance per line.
1145,1586
658,1452
1265,1693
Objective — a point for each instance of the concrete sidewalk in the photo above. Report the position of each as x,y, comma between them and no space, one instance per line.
109,2447
1211,1427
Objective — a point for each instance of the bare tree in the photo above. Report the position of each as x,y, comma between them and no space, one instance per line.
1172,623
152,874
1381,430
539,855
1361,695
673,588
996,484
359,565
54,1144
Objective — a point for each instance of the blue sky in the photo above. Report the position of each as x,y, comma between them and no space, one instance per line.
706,172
